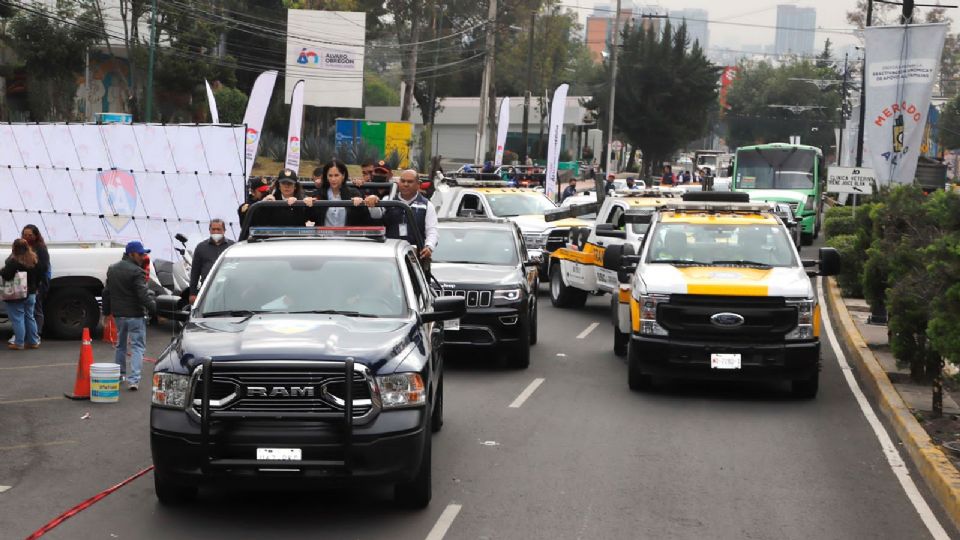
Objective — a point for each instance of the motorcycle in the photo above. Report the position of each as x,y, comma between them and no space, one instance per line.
174,276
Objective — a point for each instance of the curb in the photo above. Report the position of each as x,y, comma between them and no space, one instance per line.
939,474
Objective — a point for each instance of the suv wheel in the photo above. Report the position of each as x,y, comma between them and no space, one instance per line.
519,355
69,311
562,296
635,376
806,388
171,493
533,321
436,419
417,492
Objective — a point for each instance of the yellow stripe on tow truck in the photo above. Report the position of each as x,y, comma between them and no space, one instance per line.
634,314
721,281
624,296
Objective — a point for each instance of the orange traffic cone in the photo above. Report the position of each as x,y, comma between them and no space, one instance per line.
109,330
81,386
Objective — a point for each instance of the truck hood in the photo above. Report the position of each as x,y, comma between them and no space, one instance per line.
725,281
536,223
475,274
777,195
373,342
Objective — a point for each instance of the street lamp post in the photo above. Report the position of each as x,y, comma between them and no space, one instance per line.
613,88
525,131
485,84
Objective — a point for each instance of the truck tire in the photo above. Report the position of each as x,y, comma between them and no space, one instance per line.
69,311
416,493
562,296
636,379
436,419
171,493
534,325
620,339
519,355
806,388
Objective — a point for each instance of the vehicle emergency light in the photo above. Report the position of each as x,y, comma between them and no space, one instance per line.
374,233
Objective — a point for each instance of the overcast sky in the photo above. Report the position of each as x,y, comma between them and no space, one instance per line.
831,14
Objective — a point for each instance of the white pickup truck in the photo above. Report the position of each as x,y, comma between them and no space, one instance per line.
79,275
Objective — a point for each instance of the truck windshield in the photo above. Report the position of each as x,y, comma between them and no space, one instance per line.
698,244
518,204
476,246
775,169
370,287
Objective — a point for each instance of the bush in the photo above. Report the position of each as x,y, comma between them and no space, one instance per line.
851,264
839,225
838,211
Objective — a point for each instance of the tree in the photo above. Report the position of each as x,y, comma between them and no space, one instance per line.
751,119
950,124
231,104
377,93
665,91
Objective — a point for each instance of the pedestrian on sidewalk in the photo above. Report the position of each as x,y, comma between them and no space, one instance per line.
127,298
206,254
35,240
20,311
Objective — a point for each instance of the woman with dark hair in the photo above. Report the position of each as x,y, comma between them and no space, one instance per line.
286,188
22,259
34,239
332,182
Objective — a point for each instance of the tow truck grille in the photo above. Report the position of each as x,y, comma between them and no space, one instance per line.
474,299
766,319
282,391
557,239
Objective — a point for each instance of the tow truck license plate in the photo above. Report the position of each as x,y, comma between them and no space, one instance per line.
725,361
452,324
279,454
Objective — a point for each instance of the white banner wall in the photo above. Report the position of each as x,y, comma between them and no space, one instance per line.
332,66
256,111
120,183
902,65
295,129
557,111
503,124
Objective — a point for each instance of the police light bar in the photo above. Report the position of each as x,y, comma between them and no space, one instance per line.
374,233
469,182
649,192
640,215
572,211
715,208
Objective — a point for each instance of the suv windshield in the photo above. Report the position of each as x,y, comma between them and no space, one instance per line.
518,204
476,246
721,245
304,284
775,169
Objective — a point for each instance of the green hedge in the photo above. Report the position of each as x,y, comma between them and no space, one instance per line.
851,264
835,211
838,224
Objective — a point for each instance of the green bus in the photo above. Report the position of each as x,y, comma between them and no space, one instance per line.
780,172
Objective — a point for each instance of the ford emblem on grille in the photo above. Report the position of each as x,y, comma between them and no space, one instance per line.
727,320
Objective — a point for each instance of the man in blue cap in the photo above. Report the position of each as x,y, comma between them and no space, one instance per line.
127,298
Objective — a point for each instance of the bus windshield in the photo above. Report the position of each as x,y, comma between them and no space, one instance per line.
775,168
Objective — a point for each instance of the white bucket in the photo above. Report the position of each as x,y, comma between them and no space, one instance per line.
104,383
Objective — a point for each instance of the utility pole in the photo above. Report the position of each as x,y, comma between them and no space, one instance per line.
863,91
843,110
153,46
613,87
431,102
485,84
526,91
412,76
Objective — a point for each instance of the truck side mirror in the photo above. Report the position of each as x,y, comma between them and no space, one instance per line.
829,261
608,230
627,268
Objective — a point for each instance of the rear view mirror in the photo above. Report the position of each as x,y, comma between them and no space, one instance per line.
608,230
829,262
627,268
446,308
181,238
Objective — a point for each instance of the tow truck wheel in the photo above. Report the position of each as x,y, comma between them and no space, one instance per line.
562,296
417,492
171,493
436,419
806,388
637,380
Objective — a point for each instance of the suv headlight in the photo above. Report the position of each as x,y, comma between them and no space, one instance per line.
648,314
170,390
401,390
805,319
507,296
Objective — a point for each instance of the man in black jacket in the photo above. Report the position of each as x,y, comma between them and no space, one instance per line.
127,298
206,254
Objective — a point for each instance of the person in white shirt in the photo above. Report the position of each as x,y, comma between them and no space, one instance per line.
425,215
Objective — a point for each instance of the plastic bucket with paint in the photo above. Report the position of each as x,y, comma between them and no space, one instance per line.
104,383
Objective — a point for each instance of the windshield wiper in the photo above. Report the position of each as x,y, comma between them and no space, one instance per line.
458,262
742,263
678,262
333,312
246,313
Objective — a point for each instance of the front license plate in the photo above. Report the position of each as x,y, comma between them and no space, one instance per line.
725,361
452,324
279,454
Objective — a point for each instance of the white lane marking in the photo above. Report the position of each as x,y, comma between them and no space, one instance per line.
530,389
444,522
29,400
886,443
4,488
589,329
11,368
36,445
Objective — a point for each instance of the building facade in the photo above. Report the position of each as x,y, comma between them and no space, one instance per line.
796,30
696,20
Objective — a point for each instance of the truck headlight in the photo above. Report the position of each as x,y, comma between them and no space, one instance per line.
648,314
808,204
805,319
535,240
170,390
401,390
507,296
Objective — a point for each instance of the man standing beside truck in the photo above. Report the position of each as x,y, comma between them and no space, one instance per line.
127,298
206,254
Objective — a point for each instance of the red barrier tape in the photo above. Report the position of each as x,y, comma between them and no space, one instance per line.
84,505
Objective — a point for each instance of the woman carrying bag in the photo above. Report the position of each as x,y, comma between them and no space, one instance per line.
22,265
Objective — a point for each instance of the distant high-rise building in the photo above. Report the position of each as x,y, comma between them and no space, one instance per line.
598,29
696,20
796,30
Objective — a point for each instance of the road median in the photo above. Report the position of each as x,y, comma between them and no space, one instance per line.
939,474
